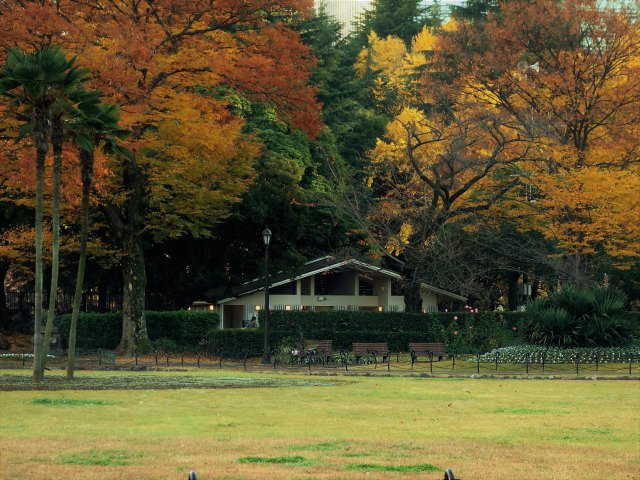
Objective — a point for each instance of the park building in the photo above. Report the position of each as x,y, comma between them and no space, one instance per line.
327,284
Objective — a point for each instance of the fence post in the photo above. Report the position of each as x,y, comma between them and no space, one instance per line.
430,362
597,356
497,360
24,356
453,366
577,364
135,351
544,358
478,362
630,359
527,362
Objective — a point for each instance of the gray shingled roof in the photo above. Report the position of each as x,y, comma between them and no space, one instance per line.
320,265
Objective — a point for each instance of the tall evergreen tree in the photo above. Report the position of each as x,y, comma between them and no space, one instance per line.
400,18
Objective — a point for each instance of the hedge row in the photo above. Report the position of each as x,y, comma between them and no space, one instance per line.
462,332
103,330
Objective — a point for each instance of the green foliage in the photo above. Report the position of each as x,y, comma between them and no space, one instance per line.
476,332
165,345
235,341
400,18
103,330
579,318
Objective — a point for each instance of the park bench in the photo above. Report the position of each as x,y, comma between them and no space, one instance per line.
430,350
367,349
321,349
313,350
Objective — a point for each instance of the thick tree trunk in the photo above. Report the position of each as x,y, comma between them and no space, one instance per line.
86,166
134,324
55,247
126,222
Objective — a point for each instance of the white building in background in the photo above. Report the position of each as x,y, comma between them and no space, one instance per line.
347,11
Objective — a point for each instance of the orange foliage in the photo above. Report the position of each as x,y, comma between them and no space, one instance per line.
569,72
155,59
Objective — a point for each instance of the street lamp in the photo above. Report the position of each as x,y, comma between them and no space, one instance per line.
266,237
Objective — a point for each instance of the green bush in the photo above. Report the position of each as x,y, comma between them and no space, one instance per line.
579,318
475,331
235,342
103,330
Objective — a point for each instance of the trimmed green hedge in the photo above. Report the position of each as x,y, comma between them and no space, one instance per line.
462,332
103,330
235,342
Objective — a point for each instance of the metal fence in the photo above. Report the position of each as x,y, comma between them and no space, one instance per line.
341,362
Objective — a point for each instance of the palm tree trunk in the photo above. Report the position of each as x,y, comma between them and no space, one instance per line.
42,147
86,166
57,138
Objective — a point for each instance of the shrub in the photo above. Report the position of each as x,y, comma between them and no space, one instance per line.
103,330
476,331
579,318
235,342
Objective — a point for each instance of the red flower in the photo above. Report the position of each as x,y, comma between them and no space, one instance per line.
514,328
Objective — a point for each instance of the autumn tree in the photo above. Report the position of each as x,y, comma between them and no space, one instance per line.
189,156
572,71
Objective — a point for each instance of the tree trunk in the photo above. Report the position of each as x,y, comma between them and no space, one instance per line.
4,313
134,324
86,167
42,146
126,222
412,296
57,138
512,289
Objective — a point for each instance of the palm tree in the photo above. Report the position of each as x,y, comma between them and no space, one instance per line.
95,124
35,82
73,94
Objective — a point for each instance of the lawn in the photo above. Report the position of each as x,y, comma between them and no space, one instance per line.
232,425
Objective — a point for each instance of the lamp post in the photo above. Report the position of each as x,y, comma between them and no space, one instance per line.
266,237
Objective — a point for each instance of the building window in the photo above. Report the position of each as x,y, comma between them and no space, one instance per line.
321,285
365,287
305,286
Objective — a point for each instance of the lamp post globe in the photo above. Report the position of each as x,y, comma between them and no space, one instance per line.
266,237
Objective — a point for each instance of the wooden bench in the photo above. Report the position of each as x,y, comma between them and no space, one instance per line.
430,350
367,349
322,349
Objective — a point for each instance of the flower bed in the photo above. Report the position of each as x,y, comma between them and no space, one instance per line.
550,355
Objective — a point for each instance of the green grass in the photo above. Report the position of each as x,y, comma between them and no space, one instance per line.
295,459
100,457
293,427
424,467
68,402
